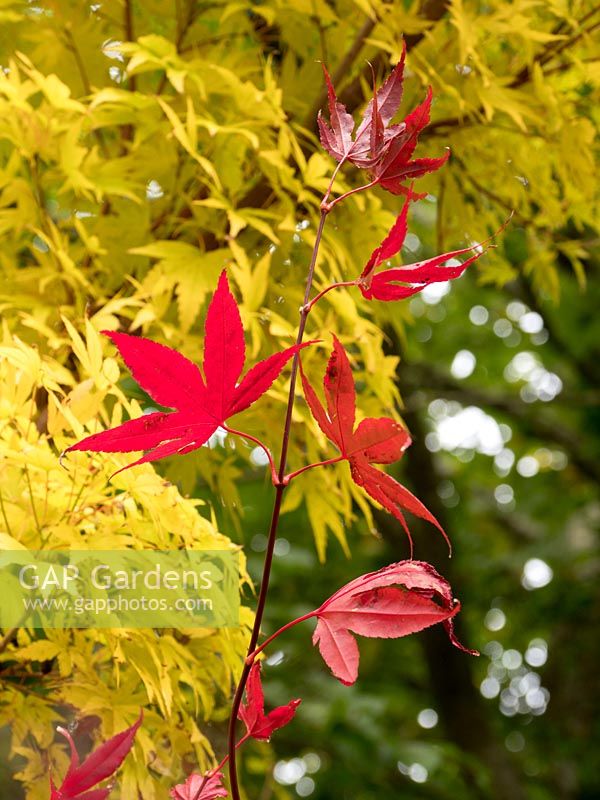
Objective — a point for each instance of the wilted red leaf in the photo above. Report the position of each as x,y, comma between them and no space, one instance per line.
399,599
373,133
202,403
383,149
252,712
379,441
200,787
97,767
336,137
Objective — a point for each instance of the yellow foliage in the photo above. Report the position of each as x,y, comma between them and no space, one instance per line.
181,678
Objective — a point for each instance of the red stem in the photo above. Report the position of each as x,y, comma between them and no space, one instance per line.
225,759
250,658
358,189
274,476
279,489
291,475
219,766
328,289
280,485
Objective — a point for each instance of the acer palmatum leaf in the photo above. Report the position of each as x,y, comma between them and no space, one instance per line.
395,167
200,787
336,137
374,441
387,99
252,712
397,283
201,403
395,601
383,149
374,132
101,764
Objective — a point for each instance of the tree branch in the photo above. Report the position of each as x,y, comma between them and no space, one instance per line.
352,95
129,35
182,30
340,72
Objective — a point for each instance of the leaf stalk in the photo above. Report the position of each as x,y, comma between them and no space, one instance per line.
250,658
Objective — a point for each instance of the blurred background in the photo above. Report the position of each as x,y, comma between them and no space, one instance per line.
143,146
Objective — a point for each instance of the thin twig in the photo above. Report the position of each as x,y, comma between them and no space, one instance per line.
190,18
85,81
327,290
10,635
342,69
33,509
323,41
291,475
279,490
7,639
219,767
251,657
129,36
243,435
339,199
4,516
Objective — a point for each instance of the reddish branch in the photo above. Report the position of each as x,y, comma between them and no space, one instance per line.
264,586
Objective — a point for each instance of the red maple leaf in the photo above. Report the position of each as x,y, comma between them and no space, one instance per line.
200,787
383,149
379,441
396,283
259,725
399,599
97,767
202,403
374,131
395,165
